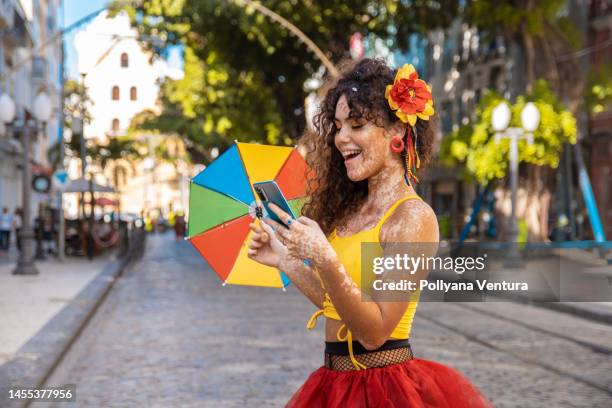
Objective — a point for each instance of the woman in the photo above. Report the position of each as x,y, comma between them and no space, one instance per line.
373,131
18,221
179,226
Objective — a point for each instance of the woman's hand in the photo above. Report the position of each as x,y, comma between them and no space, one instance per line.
304,239
265,247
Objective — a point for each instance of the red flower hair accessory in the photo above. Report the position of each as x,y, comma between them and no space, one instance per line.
409,96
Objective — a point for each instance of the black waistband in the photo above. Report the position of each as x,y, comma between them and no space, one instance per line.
340,348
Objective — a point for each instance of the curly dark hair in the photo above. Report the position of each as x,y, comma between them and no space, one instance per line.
332,195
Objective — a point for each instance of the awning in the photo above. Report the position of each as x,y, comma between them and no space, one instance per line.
103,201
82,186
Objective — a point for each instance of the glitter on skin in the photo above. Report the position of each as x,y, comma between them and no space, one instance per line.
413,221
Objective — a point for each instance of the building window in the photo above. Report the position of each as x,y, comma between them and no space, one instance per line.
115,125
124,60
115,93
133,93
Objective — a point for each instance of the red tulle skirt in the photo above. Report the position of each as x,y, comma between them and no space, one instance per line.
414,383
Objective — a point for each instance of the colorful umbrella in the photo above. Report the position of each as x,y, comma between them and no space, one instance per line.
222,204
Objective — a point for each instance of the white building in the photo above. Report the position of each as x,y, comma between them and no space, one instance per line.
29,63
121,81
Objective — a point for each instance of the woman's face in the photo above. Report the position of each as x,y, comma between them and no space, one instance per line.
363,145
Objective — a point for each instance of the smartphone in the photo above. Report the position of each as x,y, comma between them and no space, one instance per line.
269,192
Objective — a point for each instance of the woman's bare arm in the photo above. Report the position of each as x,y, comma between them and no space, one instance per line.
305,279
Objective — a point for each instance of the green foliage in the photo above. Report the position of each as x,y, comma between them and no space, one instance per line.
116,149
543,29
512,16
244,73
598,92
118,154
76,103
474,145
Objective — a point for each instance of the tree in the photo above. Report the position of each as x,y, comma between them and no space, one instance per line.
76,104
546,34
244,74
598,92
117,154
485,160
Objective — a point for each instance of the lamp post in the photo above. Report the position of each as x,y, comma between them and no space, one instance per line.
27,128
77,129
530,119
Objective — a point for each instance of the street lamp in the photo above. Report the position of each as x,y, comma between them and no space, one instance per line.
42,113
77,129
530,119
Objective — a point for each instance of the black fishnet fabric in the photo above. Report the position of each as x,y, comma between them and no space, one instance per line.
370,360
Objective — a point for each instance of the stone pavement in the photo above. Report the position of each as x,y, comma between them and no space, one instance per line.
10,256
28,302
169,334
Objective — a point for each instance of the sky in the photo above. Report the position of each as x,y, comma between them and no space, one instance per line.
73,11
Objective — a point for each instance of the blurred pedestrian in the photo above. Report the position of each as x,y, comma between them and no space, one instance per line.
48,232
160,223
148,222
6,225
17,223
171,216
179,225
38,234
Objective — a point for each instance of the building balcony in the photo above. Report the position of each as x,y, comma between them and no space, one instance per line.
19,34
7,13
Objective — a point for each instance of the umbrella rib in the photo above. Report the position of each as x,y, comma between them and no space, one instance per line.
256,199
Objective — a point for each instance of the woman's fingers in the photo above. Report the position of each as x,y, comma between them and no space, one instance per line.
259,233
271,230
275,226
283,216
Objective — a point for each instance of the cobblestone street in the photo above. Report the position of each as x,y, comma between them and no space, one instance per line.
170,335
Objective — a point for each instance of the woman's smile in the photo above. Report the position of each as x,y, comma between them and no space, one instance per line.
351,156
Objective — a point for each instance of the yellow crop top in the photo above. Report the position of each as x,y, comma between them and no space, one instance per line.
348,250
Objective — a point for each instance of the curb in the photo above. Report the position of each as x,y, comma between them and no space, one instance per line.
36,360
